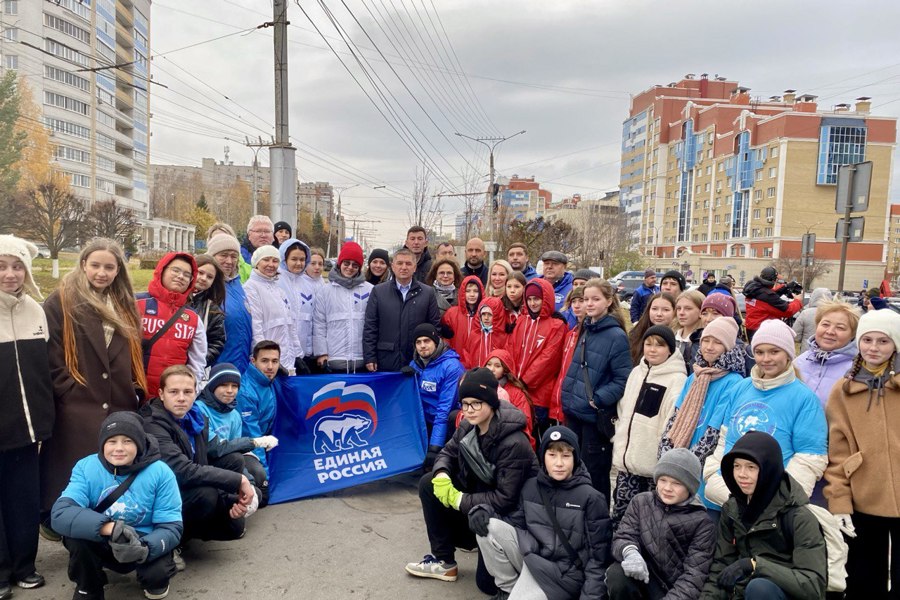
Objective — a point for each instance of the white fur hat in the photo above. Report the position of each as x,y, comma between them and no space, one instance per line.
25,251
885,321
267,251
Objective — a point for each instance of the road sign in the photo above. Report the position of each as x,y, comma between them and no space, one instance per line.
807,243
857,229
853,184
865,284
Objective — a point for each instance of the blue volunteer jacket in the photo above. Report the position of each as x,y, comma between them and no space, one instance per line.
152,504
561,289
438,382
224,421
238,326
256,403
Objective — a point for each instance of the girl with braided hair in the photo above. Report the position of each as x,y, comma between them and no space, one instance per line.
863,452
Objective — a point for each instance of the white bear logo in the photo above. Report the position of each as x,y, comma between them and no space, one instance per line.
336,434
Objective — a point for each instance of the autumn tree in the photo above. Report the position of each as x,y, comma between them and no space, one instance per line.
52,215
12,139
540,235
35,162
201,218
790,266
318,236
108,219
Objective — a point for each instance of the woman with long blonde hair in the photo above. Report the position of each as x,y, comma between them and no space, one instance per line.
96,361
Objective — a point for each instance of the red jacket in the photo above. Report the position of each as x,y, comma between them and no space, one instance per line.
481,345
764,303
155,311
536,346
569,345
463,325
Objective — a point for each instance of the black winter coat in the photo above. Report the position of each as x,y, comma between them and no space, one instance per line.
505,446
390,322
676,541
758,290
191,466
423,266
214,319
583,516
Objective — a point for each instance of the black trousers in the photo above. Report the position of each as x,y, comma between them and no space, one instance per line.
204,509
260,477
20,497
596,452
867,565
622,587
87,559
448,529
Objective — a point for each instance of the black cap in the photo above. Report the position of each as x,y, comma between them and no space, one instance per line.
380,253
480,384
769,274
665,333
677,276
283,225
558,433
426,330
126,423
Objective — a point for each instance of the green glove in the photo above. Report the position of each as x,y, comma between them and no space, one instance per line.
444,491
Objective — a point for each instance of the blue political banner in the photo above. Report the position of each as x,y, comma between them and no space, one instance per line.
338,431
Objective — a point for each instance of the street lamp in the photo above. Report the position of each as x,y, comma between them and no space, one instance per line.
331,212
490,143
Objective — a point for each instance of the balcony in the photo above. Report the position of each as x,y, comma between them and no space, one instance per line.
124,99
123,13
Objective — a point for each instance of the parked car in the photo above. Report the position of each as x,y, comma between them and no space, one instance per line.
628,281
43,250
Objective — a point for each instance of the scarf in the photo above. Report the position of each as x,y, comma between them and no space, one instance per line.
770,384
192,424
445,290
876,377
687,416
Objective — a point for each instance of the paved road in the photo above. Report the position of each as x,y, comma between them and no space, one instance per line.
351,544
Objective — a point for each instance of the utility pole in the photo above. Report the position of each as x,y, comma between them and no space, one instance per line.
282,168
330,228
491,143
256,147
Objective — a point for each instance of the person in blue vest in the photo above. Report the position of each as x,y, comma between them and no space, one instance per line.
517,256
555,272
642,295
139,530
225,250
438,370
256,403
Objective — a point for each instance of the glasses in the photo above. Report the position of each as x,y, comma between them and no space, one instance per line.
269,231
176,272
473,406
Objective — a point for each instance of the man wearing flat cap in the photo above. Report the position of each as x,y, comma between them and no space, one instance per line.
555,272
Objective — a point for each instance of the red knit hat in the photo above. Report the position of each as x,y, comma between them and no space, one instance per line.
351,251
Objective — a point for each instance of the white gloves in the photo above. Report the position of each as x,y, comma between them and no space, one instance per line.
845,523
267,442
634,565
254,504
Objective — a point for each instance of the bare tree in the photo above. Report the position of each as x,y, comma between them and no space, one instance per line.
108,219
790,266
51,215
603,230
426,209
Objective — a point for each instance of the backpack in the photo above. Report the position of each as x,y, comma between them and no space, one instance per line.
836,549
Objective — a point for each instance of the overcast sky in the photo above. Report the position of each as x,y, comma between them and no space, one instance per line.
562,70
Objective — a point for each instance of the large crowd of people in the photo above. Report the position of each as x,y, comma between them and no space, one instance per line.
676,449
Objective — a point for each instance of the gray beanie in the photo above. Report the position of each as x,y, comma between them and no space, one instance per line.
680,464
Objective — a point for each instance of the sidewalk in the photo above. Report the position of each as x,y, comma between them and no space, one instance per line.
350,544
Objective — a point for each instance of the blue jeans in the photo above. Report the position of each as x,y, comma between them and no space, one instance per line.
763,589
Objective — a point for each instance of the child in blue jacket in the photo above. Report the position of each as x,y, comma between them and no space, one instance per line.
256,402
136,532
438,370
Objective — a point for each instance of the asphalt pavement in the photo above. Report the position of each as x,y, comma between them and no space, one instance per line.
351,544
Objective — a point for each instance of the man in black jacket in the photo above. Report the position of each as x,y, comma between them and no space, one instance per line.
394,310
417,242
475,264
215,499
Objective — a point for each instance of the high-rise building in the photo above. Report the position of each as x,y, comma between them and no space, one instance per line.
87,64
725,182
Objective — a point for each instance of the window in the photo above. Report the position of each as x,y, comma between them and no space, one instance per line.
78,7
106,186
106,164
703,237
64,52
78,180
708,169
67,78
753,252
105,119
770,193
721,167
757,194
706,220
11,7
66,103
839,145
73,154
67,128
755,213
759,175
63,26
716,236
710,138
11,61
770,212
768,232
706,187
706,204
773,152
773,172
11,34
717,219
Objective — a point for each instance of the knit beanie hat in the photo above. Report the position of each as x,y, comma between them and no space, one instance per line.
585,274
665,333
223,373
25,251
878,303
769,275
380,253
680,464
883,321
677,276
426,330
351,251
479,383
265,251
126,423
559,433
221,243
723,329
721,303
283,225
779,334
533,290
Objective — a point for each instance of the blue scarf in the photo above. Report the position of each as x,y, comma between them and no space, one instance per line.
192,424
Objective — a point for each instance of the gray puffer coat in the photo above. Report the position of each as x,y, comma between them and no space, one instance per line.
583,516
676,541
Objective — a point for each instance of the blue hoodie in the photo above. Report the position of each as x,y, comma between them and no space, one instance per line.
238,326
438,382
256,403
